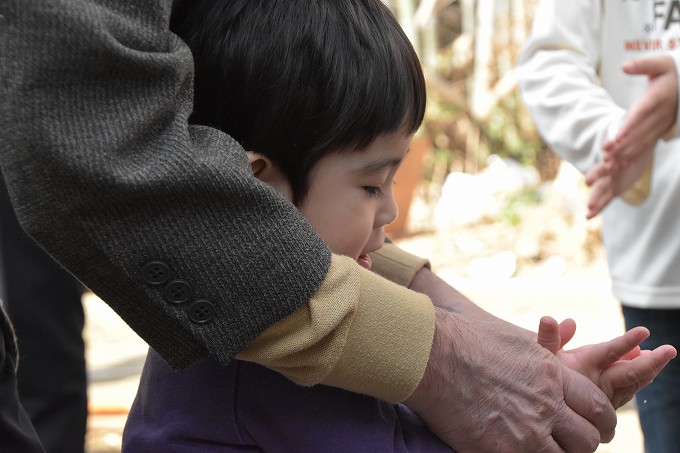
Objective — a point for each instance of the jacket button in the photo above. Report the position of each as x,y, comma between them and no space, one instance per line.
156,272
201,311
177,292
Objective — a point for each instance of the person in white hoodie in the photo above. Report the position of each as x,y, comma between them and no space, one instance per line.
600,80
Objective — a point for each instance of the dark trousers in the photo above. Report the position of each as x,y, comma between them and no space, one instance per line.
44,303
659,403
16,431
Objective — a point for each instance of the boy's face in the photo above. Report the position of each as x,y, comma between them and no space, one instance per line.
350,197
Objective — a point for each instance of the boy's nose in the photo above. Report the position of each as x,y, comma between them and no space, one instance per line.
388,213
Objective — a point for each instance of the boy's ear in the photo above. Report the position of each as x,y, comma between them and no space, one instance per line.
259,164
265,170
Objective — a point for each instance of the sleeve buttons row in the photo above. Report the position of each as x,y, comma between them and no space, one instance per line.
177,292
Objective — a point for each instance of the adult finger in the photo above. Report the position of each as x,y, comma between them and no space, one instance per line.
549,446
623,395
590,410
573,433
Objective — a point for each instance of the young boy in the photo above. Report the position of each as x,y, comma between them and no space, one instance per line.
325,96
326,101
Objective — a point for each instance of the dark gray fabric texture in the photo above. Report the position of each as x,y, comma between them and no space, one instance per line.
105,173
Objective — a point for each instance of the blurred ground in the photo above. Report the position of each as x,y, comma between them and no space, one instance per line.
540,258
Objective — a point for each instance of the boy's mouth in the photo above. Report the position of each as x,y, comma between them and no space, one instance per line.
365,261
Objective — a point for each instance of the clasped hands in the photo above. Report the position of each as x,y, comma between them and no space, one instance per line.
491,386
651,118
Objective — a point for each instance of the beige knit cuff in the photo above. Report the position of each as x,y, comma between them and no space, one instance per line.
396,264
359,332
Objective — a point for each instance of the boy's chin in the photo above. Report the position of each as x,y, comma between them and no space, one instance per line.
365,261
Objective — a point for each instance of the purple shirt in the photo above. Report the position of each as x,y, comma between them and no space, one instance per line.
245,407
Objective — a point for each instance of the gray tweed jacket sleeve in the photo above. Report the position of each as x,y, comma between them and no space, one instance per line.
163,221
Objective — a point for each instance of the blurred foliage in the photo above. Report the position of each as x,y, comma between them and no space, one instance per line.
512,212
468,49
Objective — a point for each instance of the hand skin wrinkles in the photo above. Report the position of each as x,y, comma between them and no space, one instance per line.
488,389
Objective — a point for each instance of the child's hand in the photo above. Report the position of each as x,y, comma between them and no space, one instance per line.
629,154
652,116
617,366
612,178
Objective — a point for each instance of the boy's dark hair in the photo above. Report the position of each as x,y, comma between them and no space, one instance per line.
297,79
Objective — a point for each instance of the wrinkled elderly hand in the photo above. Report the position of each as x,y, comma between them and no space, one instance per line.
487,390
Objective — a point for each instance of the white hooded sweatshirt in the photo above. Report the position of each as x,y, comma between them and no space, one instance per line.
572,83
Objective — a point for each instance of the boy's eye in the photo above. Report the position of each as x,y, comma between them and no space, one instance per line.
374,191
